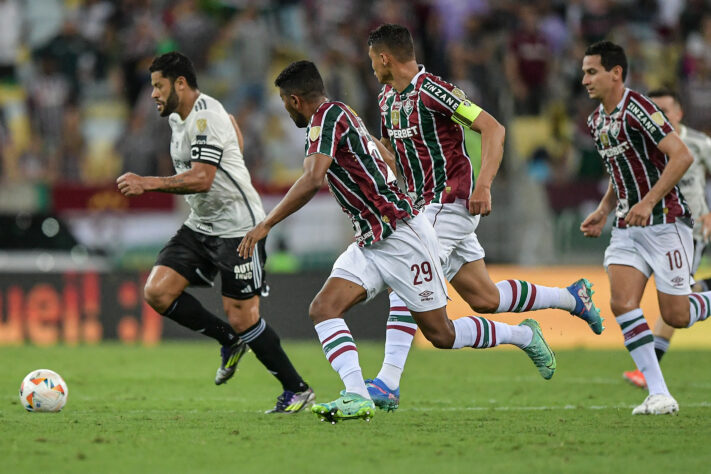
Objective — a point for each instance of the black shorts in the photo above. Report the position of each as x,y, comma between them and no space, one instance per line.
198,258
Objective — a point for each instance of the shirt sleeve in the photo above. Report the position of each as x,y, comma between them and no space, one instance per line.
645,116
323,135
207,143
446,99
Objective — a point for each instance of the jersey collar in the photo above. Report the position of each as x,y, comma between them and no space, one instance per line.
411,86
618,107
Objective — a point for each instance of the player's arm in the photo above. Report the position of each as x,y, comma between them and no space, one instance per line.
492,151
680,158
315,168
198,179
593,224
240,139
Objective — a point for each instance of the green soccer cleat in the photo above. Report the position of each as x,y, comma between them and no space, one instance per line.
539,351
349,406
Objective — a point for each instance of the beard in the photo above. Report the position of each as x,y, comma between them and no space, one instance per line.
299,119
171,104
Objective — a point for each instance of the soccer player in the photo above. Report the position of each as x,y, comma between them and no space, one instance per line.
395,245
421,125
652,229
692,187
212,175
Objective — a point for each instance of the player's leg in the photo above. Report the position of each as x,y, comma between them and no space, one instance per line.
164,292
326,311
261,338
462,258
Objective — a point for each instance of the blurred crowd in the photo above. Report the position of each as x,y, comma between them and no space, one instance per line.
75,100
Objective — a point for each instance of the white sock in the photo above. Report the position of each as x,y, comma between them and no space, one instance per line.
519,296
699,307
341,352
482,333
399,333
640,342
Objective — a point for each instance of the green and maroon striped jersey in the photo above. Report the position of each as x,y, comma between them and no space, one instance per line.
358,175
627,140
423,125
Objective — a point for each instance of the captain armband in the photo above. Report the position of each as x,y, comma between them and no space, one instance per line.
465,113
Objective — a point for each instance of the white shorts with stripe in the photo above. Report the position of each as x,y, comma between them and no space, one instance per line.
666,250
456,232
406,261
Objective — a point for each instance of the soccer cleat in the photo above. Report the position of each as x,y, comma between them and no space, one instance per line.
584,307
657,404
231,356
382,396
635,377
349,406
290,402
539,351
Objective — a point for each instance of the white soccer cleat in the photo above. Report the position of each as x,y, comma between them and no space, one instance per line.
657,404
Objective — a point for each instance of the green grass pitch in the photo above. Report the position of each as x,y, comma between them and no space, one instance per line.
154,410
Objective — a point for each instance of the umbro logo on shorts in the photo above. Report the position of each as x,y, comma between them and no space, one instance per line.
678,281
426,295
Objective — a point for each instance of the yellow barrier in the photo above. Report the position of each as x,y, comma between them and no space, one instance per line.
561,329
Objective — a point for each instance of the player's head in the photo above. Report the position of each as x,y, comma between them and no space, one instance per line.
171,75
604,68
389,45
668,102
300,87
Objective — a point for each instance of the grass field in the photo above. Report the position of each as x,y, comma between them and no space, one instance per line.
153,410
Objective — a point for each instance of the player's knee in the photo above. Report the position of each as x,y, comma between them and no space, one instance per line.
156,298
241,315
621,306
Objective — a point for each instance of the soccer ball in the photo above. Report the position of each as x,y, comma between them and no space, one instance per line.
43,390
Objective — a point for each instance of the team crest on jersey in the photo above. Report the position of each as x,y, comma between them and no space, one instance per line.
201,125
314,133
459,94
604,139
658,118
615,129
408,106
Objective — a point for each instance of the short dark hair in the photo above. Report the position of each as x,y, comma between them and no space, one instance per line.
396,39
611,55
174,65
665,92
301,78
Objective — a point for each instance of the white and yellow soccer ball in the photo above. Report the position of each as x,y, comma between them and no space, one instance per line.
43,390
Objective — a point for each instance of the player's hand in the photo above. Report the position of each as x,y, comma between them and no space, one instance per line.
130,184
706,226
249,241
593,224
638,214
480,201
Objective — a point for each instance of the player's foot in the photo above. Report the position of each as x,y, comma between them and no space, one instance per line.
230,358
349,406
382,396
657,404
584,307
635,377
290,402
539,351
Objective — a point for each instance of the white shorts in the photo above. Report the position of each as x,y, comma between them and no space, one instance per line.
667,250
456,232
405,261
